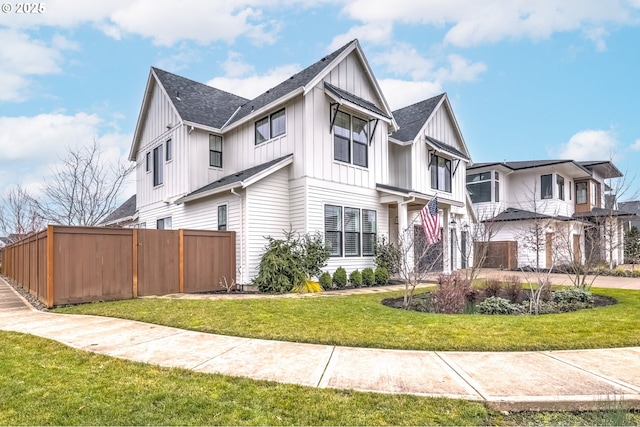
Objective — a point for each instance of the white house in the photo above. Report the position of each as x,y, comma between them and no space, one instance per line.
552,211
320,152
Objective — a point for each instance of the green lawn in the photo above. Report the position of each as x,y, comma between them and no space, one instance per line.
361,321
43,382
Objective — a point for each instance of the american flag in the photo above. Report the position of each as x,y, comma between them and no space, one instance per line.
431,221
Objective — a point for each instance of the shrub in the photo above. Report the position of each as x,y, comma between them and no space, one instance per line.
497,305
307,287
635,273
368,277
355,278
451,295
340,278
513,288
387,255
325,281
381,276
573,295
492,287
620,272
288,262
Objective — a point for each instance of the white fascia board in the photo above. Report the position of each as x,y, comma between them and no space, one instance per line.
401,143
208,193
257,177
261,111
203,127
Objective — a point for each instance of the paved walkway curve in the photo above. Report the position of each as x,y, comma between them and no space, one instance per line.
546,380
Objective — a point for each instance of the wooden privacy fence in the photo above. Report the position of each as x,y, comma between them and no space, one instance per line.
498,254
67,265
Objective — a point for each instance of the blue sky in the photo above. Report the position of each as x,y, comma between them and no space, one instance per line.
535,79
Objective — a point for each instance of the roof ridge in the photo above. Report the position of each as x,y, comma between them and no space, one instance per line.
197,82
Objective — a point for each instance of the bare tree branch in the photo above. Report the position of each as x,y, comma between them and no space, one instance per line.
19,214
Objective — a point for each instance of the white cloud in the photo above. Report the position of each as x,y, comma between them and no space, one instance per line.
475,22
252,85
597,36
401,93
636,145
589,145
375,33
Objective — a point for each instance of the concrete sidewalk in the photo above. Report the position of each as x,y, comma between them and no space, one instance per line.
548,380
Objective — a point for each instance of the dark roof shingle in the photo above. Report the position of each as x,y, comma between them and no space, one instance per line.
125,210
411,119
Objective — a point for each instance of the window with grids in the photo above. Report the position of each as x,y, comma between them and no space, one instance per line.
369,230
270,127
222,218
350,136
440,173
333,229
215,151
157,165
480,185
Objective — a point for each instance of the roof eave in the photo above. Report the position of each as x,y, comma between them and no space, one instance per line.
208,193
261,111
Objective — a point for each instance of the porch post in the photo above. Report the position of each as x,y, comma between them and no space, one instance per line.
446,241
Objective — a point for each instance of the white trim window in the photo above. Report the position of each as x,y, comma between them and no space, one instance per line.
169,150
270,126
147,158
480,185
333,229
369,232
164,223
546,186
215,151
560,184
222,218
351,232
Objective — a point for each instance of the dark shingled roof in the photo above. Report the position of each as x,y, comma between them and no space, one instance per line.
197,102
292,83
446,147
512,214
125,210
236,177
355,99
608,169
527,164
603,213
411,119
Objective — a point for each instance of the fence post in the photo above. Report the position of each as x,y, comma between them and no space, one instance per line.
134,238
50,251
181,253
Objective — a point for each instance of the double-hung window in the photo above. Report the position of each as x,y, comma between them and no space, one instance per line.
369,230
215,151
440,173
270,126
157,165
333,229
222,217
350,135
546,187
351,232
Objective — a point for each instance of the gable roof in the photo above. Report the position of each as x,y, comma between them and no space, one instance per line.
412,118
294,82
196,102
124,212
238,179
513,214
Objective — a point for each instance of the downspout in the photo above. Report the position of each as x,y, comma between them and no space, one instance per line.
241,268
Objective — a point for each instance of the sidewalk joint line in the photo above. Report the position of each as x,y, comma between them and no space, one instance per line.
220,354
452,365
326,366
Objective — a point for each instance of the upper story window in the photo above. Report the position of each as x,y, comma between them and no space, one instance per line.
496,192
440,173
168,150
479,187
148,161
560,184
581,193
546,187
350,136
270,126
222,217
157,165
215,151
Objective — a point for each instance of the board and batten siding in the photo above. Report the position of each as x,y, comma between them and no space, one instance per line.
267,203
322,193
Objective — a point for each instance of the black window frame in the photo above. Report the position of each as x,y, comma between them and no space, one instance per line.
161,223
222,226
212,153
435,167
267,122
353,142
168,151
157,166
148,161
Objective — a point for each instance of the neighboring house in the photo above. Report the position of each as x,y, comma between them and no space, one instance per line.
125,215
320,152
552,212
633,207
